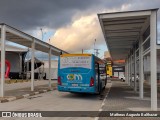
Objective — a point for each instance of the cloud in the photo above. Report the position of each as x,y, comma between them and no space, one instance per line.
85,28
81,34
47,32
62,15
30,14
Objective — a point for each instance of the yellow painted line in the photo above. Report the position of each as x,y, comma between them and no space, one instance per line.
15,81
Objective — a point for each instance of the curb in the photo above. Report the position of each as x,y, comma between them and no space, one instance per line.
25,96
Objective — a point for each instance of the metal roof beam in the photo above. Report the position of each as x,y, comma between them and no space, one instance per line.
123,23
125,19
122,31
121,40
15,32
121,28
128,46
124,14
126,26
123,34
127,36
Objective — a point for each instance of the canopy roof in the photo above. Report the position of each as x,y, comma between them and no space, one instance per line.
19,37
11,48
122,30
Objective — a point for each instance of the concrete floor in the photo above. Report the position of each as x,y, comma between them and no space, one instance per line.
123,98
55,101
120,98
26,84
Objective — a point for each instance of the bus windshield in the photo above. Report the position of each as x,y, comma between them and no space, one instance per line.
75,61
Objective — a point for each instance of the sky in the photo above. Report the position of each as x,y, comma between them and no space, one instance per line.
71,25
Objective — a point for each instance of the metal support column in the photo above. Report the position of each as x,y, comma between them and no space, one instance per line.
126,71
153,56
135,70
20,63
129,73
32,65
49,68
141,74
129,70
3,38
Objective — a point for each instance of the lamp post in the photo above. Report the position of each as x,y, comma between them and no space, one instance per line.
96,50
42,33
94,46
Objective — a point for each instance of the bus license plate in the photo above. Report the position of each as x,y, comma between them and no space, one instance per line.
74,85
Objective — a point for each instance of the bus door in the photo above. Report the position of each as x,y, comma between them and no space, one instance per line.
97,76
103,76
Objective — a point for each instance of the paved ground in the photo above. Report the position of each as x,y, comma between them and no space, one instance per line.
120,98
55,101
14,86
19,90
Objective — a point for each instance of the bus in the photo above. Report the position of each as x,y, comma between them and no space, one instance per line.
82,73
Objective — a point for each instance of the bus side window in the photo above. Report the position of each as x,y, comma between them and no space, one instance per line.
102,71
96,70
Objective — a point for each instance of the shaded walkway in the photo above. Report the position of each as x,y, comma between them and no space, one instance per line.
122,98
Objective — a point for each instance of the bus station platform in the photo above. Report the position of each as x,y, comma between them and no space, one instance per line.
122,97
20,90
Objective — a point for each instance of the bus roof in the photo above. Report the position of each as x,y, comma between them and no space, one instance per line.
70,55
97,59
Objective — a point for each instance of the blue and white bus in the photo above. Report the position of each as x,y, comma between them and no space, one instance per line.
84,73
